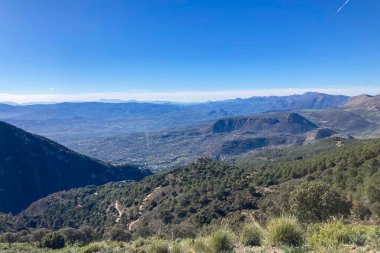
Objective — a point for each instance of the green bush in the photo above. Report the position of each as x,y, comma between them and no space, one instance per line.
375,210
200,245
291,249
53,241
176,248
317,201
8,238
118,234
38,234
373,193
23,237
71,235
251,235
357,237
87,234
159,246
359,211
335,233
92,248
373,238
140,242
222,240
284,231
328,234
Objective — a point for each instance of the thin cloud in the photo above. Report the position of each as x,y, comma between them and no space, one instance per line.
341,7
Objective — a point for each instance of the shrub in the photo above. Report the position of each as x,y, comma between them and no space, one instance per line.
38,234
373,238
373,193
359,211
291,249
284,231
87,234
159,246
71,235
53,241
120,235
222,240
8,238
92,248
334,233
176,248
317,201
357,237
139,243
329,234
23,236
200,245
251,235
375,209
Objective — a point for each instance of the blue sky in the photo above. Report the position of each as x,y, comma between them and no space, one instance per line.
159,47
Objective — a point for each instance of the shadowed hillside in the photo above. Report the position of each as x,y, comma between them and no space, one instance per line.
32,167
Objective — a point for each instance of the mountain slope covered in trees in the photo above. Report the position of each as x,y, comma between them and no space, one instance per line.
184,200
31,167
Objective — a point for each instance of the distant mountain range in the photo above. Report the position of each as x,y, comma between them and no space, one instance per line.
162,136
66,122
32,167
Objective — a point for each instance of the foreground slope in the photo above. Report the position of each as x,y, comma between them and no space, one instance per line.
32,167
183,200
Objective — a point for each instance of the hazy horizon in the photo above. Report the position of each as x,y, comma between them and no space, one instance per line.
175,97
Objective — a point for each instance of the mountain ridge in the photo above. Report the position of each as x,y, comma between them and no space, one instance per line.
84,120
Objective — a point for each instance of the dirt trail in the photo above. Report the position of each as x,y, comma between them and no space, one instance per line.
133,225
130,227
119,211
